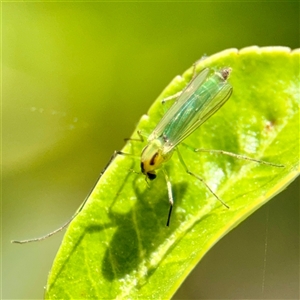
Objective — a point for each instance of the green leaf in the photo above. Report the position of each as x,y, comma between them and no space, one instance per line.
119,247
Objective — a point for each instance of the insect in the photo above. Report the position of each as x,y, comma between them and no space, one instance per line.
202,97
198,101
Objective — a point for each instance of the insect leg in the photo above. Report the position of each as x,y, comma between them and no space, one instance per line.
116,153
170,195
193,76
239,156
140,139
198,177
163,101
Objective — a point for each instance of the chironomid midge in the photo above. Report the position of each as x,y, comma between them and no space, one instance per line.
200,99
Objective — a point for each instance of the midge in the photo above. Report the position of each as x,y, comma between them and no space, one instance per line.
202,97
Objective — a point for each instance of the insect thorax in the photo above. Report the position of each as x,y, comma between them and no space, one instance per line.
153,157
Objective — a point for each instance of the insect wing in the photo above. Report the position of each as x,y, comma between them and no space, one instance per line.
186,93
208,109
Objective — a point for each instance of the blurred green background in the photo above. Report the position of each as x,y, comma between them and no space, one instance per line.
76,78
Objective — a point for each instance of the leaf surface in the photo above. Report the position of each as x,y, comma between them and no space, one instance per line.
118,247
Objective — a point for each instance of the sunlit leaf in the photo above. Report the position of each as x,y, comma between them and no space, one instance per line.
119,247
